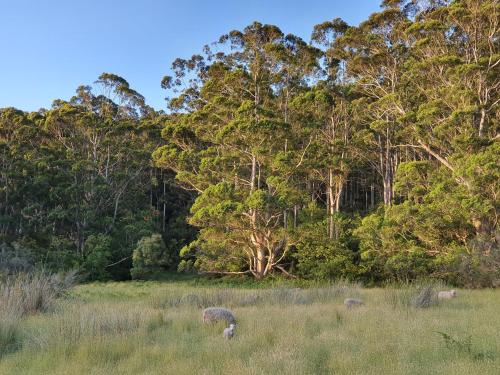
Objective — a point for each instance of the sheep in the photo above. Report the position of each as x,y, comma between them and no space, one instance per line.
351,302
229,332
447,294
215,314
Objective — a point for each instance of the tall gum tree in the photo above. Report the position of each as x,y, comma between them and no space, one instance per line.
374,54
231,142
335,135
453,72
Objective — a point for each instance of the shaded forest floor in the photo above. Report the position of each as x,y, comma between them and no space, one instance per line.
155,328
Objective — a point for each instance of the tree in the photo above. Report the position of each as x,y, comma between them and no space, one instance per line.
81,172
233,145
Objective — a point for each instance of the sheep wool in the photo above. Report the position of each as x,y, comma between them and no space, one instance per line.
216,314
351,302
447,294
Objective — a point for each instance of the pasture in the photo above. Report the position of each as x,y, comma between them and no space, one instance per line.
155,328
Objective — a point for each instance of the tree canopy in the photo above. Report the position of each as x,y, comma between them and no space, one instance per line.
370,153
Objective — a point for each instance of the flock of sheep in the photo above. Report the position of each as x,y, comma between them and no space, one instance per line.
216,314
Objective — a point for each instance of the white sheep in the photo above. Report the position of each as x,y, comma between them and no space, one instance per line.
215,314
229,332
447,294
351,302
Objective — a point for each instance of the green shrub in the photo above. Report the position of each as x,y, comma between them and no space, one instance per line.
97,256
150,256
409,265
319,257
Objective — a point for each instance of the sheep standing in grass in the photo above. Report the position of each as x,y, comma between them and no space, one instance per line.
216,314
352,302
229,332
447,294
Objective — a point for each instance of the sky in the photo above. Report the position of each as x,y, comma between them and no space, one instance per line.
51,47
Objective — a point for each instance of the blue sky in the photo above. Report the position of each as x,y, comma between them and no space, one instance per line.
51,47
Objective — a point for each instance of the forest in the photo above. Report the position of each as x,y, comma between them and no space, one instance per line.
370,153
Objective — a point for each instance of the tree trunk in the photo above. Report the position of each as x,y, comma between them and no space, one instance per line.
295,214
164,205
481,123
372,196
334,195
388,188
331,204
261,264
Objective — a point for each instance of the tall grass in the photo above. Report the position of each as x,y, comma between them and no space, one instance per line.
415,295
231,297
27,294
156,328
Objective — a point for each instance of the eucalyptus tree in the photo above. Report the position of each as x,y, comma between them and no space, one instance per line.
23,154
454,74
374,54
102,170
446,216
335,140
76,178
232,142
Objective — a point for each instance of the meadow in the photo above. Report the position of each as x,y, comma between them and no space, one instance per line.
155,328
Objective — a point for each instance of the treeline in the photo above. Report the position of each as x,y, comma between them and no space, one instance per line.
79,189
370,153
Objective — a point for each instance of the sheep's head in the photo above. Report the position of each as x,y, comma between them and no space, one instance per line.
232,326
453,292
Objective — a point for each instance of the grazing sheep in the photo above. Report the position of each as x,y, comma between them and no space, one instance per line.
351,302
215,314
229,332
447,294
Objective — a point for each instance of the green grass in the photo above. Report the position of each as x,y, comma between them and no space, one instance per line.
155,328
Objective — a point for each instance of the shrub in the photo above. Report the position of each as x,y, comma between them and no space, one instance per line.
97,256
15,258
319,257
478,264
150,256
409,265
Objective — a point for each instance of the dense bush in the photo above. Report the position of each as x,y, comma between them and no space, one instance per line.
97,256
319,257
150,256
15,258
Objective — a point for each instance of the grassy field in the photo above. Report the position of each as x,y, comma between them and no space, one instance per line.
155,328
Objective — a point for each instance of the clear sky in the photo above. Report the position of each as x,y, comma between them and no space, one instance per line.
50,47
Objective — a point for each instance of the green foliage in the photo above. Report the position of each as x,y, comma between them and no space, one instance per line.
97,256
149,257
270,152
78,190
319,257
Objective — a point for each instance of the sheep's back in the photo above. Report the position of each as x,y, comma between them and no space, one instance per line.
215,314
